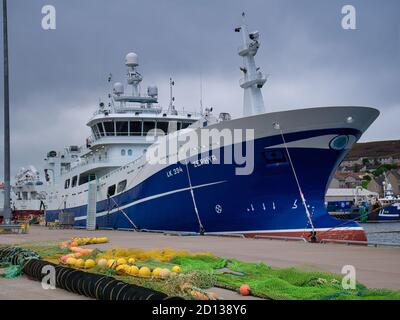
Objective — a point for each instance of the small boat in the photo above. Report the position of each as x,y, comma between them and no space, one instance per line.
389,205
28,198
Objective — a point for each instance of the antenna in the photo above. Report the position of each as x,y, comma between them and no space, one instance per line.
171,97
201,93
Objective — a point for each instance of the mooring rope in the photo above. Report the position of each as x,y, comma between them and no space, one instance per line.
202,230
303,199
126,216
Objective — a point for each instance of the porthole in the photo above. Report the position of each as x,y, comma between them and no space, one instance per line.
339,142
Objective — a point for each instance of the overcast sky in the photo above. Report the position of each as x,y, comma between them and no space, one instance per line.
58,76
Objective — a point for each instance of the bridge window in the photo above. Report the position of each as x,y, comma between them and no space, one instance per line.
74,181
109,127
123,152
121,186
130,152
96,132
185,124
101,129
86,178
163,126
122,128
147,126
67,183
135,128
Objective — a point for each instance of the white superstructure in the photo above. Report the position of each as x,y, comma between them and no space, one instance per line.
122,130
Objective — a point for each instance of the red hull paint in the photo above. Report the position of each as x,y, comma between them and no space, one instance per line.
350,235
27,212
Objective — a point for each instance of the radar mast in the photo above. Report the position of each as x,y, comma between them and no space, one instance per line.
254,79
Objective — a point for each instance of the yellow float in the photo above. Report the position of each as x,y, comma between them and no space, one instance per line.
176,269
156,272
121,261
111,264
89,264
102,263
144,272
133,271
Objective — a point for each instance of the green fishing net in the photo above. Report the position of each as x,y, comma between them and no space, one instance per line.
11,272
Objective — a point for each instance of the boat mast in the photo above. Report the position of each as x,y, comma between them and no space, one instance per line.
171,106
254,79
7,186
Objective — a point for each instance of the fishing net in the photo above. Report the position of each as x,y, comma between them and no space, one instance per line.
11,272
204,270
162,255
199,262
92,285
294,284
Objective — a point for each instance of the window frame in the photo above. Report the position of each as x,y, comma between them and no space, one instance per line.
135,133
67,184
124,183
74,181
112,187
105,130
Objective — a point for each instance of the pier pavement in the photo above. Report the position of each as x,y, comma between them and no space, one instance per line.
375,267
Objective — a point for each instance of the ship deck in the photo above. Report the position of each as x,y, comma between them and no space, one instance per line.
376,267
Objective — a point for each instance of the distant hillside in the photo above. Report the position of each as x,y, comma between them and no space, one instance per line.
375,150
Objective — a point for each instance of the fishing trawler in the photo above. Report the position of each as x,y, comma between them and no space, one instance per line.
389,205
364,206
276,189
29,195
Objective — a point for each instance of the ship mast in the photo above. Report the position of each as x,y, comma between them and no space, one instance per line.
254,79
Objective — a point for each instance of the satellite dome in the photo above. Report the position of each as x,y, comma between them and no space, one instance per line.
132,60
152,91
118,88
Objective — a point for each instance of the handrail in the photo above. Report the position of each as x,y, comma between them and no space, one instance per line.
155,110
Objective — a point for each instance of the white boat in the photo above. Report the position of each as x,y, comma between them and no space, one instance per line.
204,185
29,194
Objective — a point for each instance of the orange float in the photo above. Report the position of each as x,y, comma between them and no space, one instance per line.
244,290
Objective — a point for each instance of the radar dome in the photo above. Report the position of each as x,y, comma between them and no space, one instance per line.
118,88
132,60
152,91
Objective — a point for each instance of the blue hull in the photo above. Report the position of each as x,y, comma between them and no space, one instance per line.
390,213
265,202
